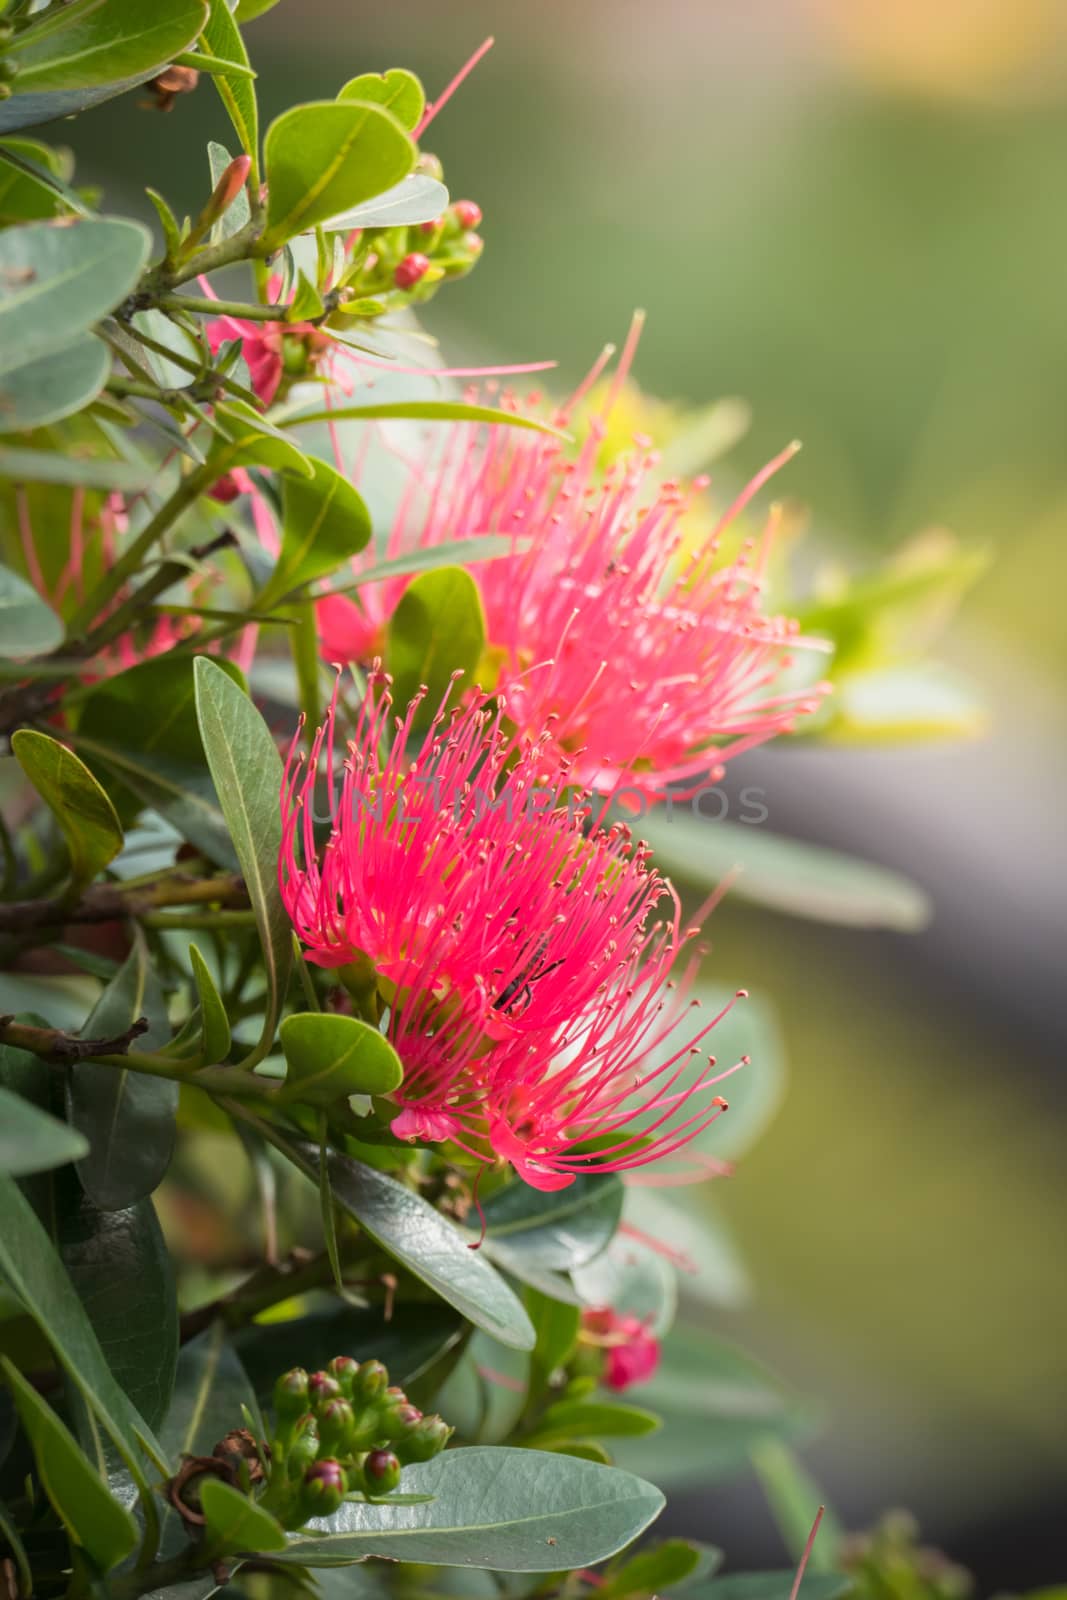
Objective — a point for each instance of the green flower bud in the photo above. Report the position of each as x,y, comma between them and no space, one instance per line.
324,1488
337,1425
304,1445
291,1394
322,1388
397,1421
381,1472
344,1369
426,1439
370,1382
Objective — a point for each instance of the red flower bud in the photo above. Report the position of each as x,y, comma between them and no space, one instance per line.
344,1369
411,269
321,1388
291,1389
324,1488
225,489
381,1472
473,243
468,213
426,1439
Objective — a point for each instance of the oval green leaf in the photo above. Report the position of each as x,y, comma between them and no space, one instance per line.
331,1057
577,1419
397,90
322,158
556,1232
96,1522
324,523
512,1510
247,773
80,806
52,387
237,91
234,1524
416,198
28,626
33,1141
58,278
437,629
94,42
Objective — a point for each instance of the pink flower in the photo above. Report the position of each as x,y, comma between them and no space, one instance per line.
631,1349
527,994
652,664
271,349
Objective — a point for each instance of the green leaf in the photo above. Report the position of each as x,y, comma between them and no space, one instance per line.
120,1266
31,184
658,1570
182,793
95,1521
556,1326
234,1524
437,629
794,1500
251,441
465,551
510,1510
238,212
35,1274
397,90
416,198
415,1233
557,1231
778,1586
52,386
80,806
426,411
222,38
903,704
57,279
803,880
324,522
51,466
331,1057
28,626
215,1024
247,772
413,1343
94,42
127,1116
248,9
633,1279
324,157
31,1140
575,1419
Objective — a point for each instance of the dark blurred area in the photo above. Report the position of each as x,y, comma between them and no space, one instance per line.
853,215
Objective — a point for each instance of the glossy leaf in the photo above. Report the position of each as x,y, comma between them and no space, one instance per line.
33,1141
660,1569
215,1024
53,386
120,1266
416,198
510,1510
80,806
235,1524
247,773
248,9
438,628
412,1342
397,90
331,1056
556,1326
415,1233
557,1231
57,279
251,441
324,157
28,626
324,523
601,1418
180,792
89,43
425,411
95,1521
633,1279
35,1274
467,551
128,1117
803,880
210,1390
222,38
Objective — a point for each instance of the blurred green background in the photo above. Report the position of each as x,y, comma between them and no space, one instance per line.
853,214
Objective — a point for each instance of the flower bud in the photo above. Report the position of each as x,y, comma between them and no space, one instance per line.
430,165
303,1446
324,1488
337,1424
407,273
370,1382
430,227
296,357
291,1389
425,1440
344,1369
467,213
398,1420
321,1388
381,1472
226,490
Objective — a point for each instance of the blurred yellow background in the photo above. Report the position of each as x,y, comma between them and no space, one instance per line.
854,215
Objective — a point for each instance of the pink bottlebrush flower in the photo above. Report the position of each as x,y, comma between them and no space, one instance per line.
653,665
524,987
631,1349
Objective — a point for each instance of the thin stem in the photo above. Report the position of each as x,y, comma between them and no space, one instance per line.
203,306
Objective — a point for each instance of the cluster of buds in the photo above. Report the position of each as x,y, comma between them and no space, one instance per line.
414,260
339,1432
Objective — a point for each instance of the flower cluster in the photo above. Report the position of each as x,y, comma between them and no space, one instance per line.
653,662
521,958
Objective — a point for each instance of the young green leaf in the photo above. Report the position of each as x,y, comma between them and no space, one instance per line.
28,626
237,91
247,772
426,411
251,441
215,1024
127,1116
437,629
95,1521
331,1057
80,806
87,43
60,279
51,387
416,198
575,1419
511,1510
397,90
659,1569
235,1524
324,157
31,1140
324,523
